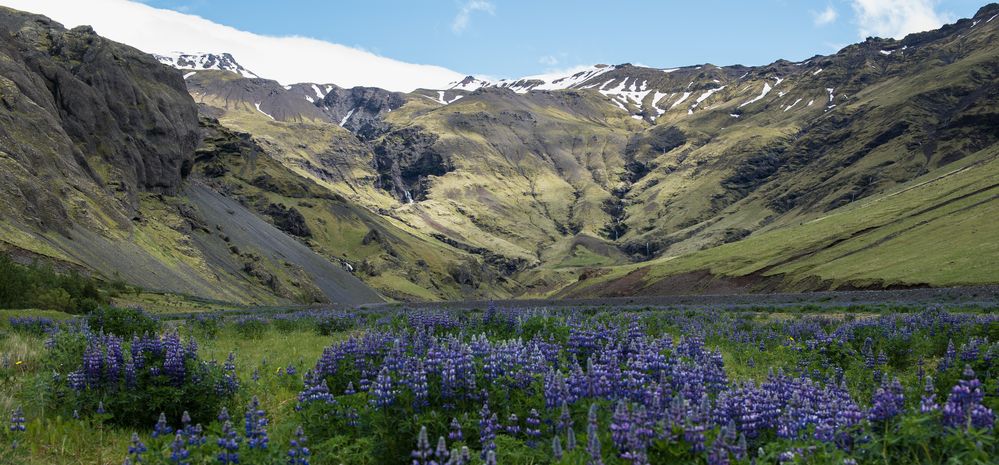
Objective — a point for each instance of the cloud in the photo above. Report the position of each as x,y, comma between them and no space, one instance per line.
464,17
827,16
287,60
548,60
896,18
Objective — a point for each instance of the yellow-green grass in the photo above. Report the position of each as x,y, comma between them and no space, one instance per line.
52,440
934,230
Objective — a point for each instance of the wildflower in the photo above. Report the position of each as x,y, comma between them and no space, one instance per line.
178,450
298,454
422,455
228,444
255,423
455,434
136,448
964,407
162,428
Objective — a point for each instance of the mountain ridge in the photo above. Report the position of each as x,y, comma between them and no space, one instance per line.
610,180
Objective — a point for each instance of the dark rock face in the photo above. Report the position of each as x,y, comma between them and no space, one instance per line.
117,105
361,109
288,220
405,159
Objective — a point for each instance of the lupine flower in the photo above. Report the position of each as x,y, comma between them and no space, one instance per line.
136,448
441,454
593,437
162,428
228,444
383,395
491,458
178,450
556,447
455,433
298,454
964,407
488,425
17,425
255,424
929,401
513,425
423,454
17,422
888,401
533,429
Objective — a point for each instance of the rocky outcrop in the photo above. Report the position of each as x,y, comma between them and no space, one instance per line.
405,159
361,109
130,119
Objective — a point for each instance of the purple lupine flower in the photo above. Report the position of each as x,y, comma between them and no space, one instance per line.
564,418
556,447
491,458
620,426
17,422
228,444
255,424
488,426
136,448
533,429
887,402
512,425
593,437
17,425
178,451
441,454
929,401
570,439
455,433
423,454
964,407
224,415
162,428
299,454
173,365
382,393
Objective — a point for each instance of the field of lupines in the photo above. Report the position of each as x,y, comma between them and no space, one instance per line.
504,386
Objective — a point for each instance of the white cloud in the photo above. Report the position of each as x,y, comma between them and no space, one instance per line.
827,16
464,17
896,18
287,60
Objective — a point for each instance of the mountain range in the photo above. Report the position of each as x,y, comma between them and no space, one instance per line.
872,167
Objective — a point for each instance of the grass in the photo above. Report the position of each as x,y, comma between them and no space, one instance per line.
891,239
55,440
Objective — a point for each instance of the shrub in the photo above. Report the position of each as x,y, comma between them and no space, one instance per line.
134,381
250,327
123,322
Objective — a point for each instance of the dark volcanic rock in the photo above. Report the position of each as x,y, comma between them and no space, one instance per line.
118,106
288,220
361,109
405,159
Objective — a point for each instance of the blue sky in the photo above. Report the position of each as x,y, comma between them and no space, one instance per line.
511,38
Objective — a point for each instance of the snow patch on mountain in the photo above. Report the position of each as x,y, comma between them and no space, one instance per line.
766,90
204,61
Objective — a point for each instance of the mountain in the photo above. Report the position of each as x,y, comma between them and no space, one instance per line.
561,179
204,61
99,144
872,167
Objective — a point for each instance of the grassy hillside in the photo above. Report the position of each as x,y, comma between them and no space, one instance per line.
934,230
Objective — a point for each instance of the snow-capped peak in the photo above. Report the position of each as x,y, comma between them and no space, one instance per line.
469,83
205,61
